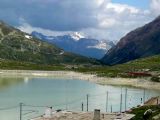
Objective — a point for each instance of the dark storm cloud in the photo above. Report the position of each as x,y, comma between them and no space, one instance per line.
50,14
101,19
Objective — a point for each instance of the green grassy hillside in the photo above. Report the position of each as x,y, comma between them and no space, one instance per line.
139,43
141,65
139,112
17,65
16,45
152,64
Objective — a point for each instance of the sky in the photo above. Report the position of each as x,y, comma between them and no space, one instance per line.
100,19
142,4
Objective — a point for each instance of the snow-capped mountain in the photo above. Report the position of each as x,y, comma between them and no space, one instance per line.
77,36
77,43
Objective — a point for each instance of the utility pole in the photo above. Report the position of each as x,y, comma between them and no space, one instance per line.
82,106
87,102
66,99
144,95
121,101
111,108
106,101
20,106
125,99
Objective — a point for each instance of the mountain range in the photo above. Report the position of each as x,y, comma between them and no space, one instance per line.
139,43
38,48
19,46
78,44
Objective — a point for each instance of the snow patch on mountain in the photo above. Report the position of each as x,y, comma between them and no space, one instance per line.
77,36
101,45
61,53
78,44
28,36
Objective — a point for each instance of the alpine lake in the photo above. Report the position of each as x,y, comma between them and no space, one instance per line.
38,93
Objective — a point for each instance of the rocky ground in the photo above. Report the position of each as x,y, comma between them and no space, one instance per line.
86,116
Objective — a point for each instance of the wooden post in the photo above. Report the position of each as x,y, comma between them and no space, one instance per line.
87,102
111,108
126,99
107,101
144,95
121,103
82,106
20,108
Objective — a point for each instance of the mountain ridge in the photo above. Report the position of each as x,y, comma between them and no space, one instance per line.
139,43
78,44
19,46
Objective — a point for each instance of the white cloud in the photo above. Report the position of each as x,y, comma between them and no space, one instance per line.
107,23
115,20
99,19
120,8
155,7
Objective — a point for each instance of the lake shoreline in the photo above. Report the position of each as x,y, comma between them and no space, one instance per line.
132,82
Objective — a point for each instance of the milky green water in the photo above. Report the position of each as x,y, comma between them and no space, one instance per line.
38,93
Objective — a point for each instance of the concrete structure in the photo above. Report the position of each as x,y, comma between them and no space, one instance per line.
96,114
66,115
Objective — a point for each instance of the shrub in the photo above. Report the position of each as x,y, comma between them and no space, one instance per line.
155,79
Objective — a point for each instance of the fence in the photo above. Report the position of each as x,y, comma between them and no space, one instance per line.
103,101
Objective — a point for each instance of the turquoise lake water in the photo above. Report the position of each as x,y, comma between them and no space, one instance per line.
38,93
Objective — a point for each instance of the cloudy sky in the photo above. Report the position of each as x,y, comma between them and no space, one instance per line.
101,19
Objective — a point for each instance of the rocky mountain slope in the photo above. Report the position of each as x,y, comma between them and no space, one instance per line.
19,46
78,44
142,42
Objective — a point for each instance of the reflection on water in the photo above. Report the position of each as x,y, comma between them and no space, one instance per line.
7,81
38,93
26,80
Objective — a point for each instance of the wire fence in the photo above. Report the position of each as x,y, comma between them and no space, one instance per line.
9,108
107,102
